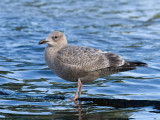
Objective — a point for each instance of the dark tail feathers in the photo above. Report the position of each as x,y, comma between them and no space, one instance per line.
137,63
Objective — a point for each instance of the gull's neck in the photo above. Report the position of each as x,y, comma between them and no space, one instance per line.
53,49
50,53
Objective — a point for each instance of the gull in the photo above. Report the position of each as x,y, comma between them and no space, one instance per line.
79,63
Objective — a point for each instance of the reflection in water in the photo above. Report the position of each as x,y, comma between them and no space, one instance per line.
83,108
116,103
106,113
79,109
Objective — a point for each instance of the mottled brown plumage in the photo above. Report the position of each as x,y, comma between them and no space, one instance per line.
76,63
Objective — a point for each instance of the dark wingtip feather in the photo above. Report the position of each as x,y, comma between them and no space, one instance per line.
137,63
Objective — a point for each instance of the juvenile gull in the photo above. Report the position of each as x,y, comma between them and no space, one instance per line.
82,64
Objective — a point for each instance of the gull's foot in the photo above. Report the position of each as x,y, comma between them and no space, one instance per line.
75,98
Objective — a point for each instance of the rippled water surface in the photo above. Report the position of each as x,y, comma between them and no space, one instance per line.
126,27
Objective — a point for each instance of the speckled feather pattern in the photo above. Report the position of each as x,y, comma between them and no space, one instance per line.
73,62
86,58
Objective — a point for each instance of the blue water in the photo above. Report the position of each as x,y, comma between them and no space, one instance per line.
129,28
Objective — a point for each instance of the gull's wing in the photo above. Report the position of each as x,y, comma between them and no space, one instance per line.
86,58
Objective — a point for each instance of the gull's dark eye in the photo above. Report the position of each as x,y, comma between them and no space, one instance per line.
54,37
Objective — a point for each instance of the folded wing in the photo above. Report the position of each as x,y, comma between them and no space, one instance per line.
87,59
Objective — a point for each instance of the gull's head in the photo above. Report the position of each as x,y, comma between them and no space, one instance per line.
55,38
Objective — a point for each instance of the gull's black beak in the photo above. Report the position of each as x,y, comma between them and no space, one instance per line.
42,42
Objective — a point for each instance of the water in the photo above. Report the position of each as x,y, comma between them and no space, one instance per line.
129,28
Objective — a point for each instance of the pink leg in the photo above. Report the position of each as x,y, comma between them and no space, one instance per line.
79,89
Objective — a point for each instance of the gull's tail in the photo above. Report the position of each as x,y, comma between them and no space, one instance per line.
127,66
131,65
136,63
